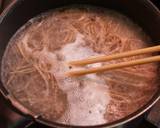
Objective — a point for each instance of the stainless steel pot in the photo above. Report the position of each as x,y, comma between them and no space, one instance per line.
143,12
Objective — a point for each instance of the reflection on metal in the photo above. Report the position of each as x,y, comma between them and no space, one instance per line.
154,115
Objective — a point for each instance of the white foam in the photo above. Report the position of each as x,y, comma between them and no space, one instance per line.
87,104
75,50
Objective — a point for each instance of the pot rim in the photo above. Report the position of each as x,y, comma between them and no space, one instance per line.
122,121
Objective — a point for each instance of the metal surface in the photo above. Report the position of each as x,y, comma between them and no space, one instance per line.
142,12
154,115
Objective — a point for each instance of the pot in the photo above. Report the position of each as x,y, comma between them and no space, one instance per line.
142,12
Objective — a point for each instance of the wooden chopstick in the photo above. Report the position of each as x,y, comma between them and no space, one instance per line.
104,58
114,66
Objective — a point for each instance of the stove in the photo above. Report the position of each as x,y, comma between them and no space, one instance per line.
10,119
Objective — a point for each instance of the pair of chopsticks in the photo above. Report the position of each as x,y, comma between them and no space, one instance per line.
104,58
